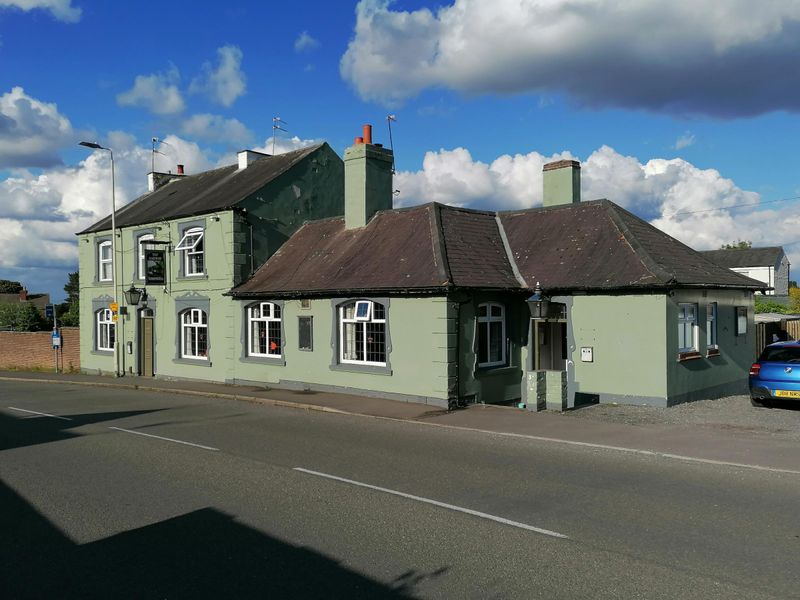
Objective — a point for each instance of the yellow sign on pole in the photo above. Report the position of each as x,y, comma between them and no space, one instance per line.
114,317
114,306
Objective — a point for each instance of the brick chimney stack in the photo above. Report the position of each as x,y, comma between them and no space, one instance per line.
23,295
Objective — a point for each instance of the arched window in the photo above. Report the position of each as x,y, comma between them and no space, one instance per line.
491,335
191,245
141,242
106,330
194,334
264,330
104,261
362,333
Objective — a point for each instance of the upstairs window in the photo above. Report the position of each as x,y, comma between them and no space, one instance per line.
687,327
106,330
264,330
191,245
362,333
141,243
194,334
104,261
491,335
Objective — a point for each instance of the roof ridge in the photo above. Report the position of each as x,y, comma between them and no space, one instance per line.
440,244
509,255
639,250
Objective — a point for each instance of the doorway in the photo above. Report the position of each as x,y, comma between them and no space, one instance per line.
146,342
550,345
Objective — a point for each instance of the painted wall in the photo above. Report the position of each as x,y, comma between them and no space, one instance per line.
310,190
419,357
710,376
491,385
629,347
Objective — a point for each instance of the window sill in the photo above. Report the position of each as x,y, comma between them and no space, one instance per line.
355,368
278,361
191,277
102,352
198,362
682,356
712,352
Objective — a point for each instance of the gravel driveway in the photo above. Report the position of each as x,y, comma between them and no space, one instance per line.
733,413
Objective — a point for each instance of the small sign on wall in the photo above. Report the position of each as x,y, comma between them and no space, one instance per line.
587,354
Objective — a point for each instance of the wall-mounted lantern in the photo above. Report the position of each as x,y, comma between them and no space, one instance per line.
538,304
135,295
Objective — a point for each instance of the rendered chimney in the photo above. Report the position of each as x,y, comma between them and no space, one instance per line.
367,180
155,180
23,295
248,157
561,182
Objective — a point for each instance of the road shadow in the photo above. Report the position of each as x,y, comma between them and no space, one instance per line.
30,430
202,554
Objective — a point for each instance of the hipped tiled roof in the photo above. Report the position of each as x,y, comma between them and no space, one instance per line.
209,191
745,257
434,248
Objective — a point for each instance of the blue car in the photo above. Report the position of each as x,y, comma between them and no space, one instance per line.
776,374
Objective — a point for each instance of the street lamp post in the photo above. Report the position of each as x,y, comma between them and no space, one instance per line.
96,146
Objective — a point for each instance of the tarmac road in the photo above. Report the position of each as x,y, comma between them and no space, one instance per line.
123,493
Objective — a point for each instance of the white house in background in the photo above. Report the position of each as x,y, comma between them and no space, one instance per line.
769,265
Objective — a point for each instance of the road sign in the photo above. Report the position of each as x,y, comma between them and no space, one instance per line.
49,311
56,339
114,306
114,317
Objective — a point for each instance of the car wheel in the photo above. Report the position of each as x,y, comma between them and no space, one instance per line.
760,403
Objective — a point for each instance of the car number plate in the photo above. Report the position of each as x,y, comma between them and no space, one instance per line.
787,394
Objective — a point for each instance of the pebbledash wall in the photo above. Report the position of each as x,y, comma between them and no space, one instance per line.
34,350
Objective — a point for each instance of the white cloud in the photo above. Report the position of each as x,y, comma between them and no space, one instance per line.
684,141
305,42
52,206
157,92
215,128
674,195
31,132
658,56
225,83
60,9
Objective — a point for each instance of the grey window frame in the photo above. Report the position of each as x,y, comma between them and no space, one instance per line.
182,229
353,367
246,357
310,319
682,322
101,261
182,304
138,236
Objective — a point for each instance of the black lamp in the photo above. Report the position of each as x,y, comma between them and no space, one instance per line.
134,295
538,304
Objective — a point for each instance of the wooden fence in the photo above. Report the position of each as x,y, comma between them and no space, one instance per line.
767,333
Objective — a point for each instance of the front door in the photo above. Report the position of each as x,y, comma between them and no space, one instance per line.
146,344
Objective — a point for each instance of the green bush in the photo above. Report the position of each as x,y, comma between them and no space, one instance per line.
21,316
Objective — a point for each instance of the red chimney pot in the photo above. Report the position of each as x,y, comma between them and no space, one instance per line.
367,134
180,169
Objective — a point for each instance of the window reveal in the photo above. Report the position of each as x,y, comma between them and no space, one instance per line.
106,330
194,334
363,333
491,335
264,330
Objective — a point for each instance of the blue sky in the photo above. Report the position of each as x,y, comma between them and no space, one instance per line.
675,110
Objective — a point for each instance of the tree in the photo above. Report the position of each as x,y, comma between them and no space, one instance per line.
10,287
69,311
737,245
20,316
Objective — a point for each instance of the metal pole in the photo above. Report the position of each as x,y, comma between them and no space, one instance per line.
114,262
55,329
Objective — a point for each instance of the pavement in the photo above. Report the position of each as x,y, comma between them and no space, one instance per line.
684,442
